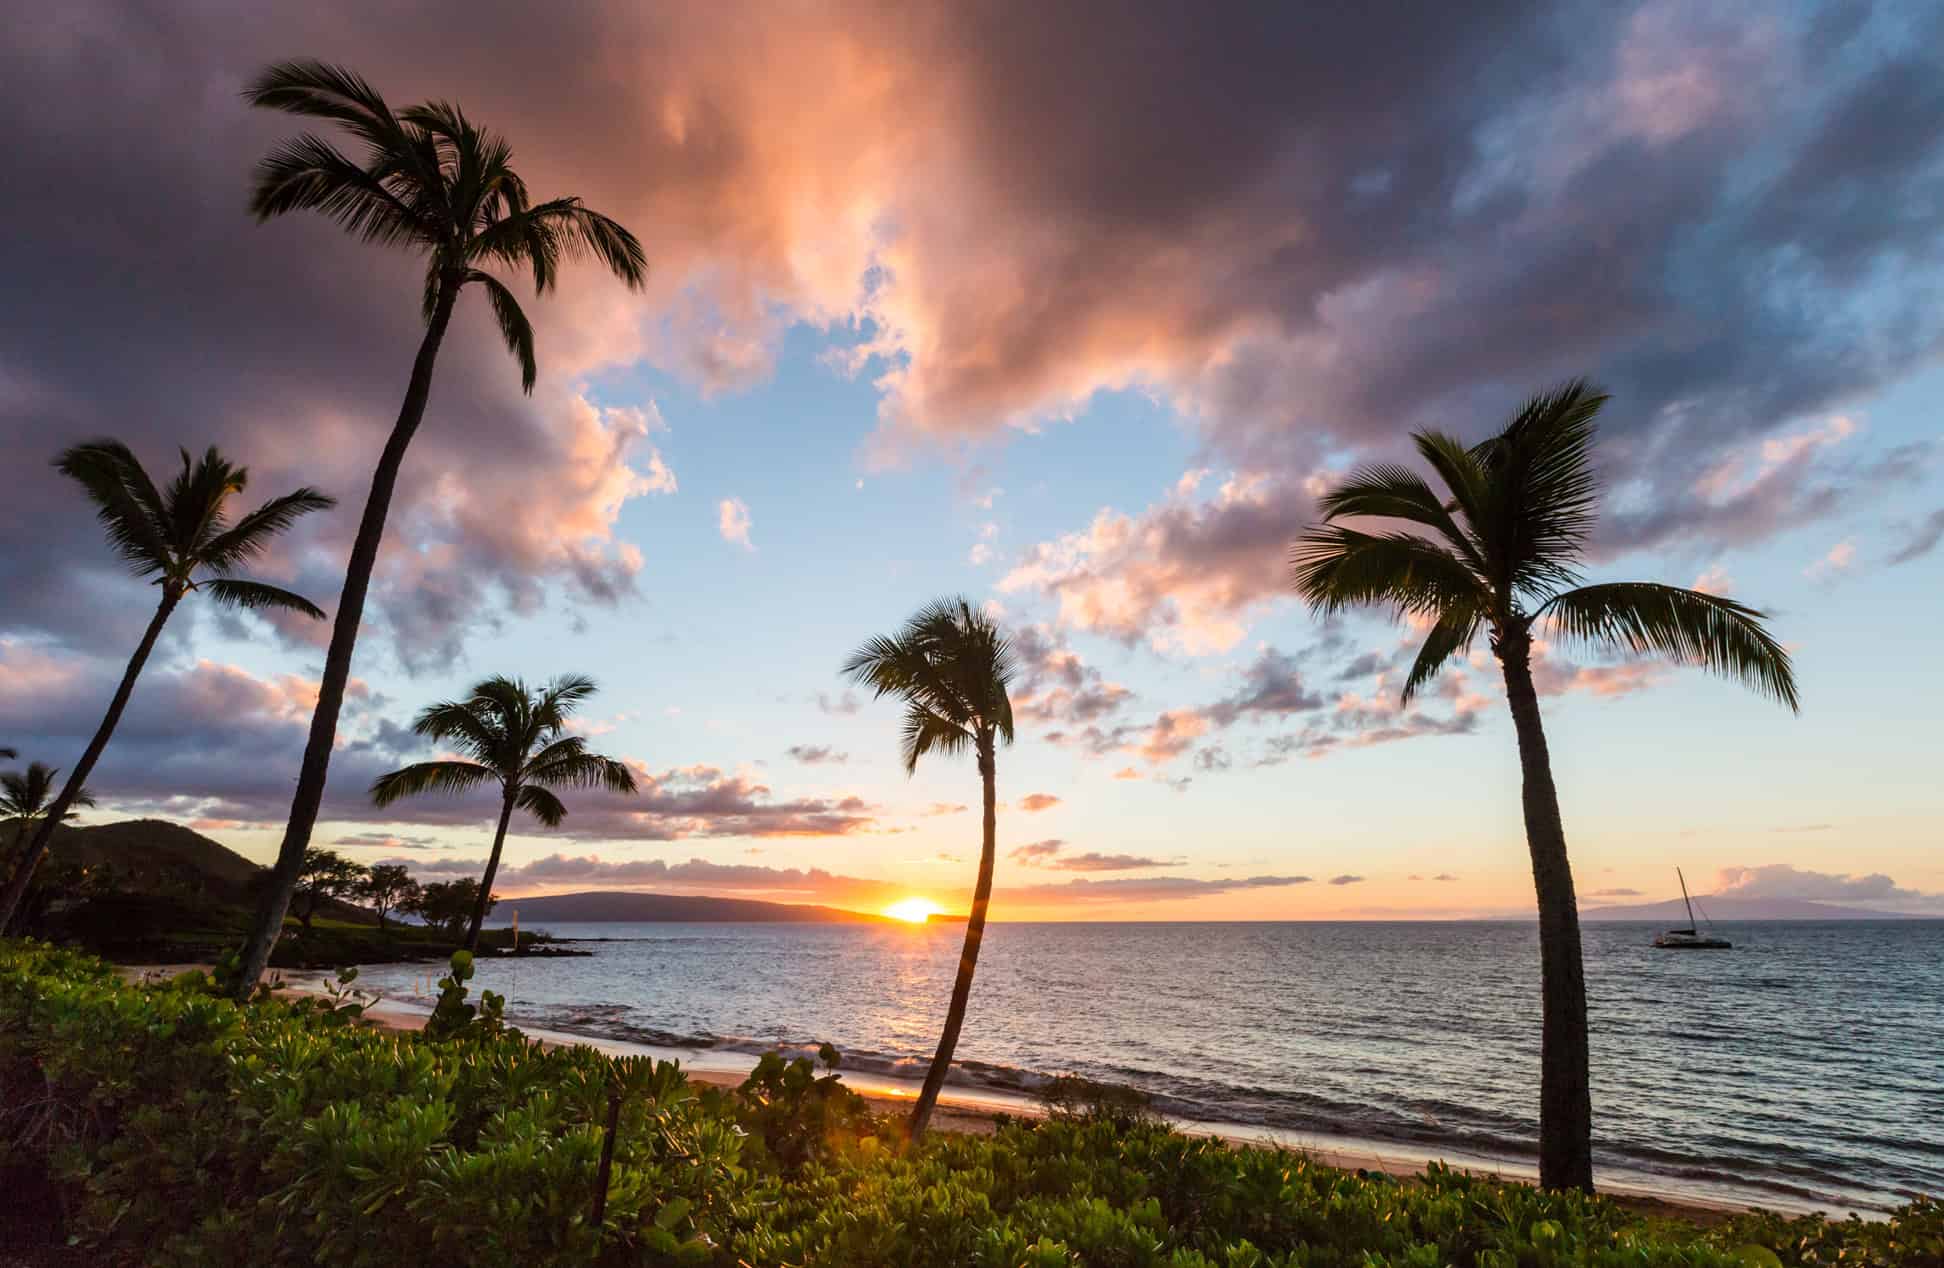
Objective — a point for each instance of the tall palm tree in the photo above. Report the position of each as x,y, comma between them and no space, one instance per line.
24,797
173,537
952,666
429,180
514,738
1499,552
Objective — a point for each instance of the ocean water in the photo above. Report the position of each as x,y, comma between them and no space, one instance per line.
1805,1068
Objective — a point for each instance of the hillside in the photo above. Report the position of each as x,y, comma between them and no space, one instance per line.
618,906
1672,913
154,856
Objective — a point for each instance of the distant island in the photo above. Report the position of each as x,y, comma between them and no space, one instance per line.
629,906
1723,907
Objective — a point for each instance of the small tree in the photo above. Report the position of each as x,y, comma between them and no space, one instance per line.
388,887
448,905
326,874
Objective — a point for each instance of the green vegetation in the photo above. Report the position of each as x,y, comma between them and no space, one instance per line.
514,737
168,1125
952,667
1499,553
180,539
428,180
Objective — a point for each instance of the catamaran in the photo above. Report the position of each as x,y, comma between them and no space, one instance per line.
1690,938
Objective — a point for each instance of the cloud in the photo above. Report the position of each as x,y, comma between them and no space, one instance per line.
732,521
1272,689
1613,893
1094,862
1033,803
1144,888
1444,876
1920,540
1183,575
1781,880
817,755
388,841
1345,879
1833,563
945,808
1733,214
1056,685
838,706
1036,852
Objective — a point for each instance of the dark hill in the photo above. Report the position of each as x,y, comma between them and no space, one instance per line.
617,906
156,857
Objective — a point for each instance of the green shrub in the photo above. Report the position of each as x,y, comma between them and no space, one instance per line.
171,1126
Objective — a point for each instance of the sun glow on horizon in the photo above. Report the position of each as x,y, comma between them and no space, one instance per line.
915,910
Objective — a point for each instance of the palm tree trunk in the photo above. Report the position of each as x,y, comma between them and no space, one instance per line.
1565,1098
304,804
77,778
969,958
492,870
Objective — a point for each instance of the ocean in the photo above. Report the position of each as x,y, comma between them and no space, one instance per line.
1802,1070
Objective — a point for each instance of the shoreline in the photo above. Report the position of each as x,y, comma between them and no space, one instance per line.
977,1111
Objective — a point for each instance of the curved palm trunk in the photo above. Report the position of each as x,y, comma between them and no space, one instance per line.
968,959
337,661
77,778
1565,1098
492,870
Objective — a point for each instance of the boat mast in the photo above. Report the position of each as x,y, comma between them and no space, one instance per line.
1686,900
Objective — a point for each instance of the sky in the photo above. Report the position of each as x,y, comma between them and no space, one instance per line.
1073,310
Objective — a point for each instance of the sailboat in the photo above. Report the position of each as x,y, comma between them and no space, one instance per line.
1690,938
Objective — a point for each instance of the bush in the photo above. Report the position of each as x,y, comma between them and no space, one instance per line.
1069,1096
171,1126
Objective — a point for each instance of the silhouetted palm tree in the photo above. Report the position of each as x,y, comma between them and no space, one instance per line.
514,737
427,179
951,666
24,797
170,536
1499,552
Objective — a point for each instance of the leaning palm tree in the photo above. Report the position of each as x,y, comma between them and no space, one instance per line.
427,179
1499,552
951,665
24,798
514,738
181,539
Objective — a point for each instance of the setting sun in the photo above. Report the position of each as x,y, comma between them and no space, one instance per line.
916,910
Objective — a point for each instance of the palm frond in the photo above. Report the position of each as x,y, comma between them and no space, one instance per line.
1461,472
425,777
1388,491
459,722
1544,494
583,770
324,91
541,804
1450,635
925,732
106,470
1686,626
246,539
1333,568
513,325
257,596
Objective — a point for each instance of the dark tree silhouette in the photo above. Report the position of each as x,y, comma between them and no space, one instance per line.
952,667
180,539
514,737
1499,553
326,874
426,179
388,887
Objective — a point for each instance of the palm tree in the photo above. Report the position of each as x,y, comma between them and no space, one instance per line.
952,666
169,536
1500,553
24,797
514,738
429,180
